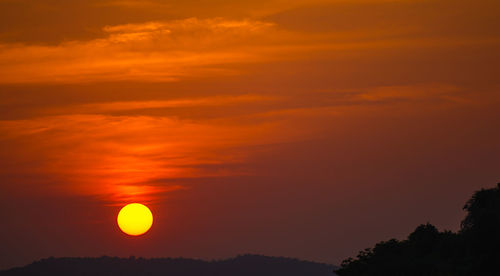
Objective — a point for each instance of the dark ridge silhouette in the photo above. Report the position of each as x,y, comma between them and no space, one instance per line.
245,265
474,250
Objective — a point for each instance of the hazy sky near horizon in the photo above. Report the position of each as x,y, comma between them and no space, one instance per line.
308,129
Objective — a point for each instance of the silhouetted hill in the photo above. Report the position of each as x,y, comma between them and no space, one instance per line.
246,265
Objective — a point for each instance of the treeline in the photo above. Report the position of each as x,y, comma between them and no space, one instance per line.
474,250
245,265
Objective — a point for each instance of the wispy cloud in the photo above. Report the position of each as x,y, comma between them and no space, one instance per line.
172,50
155,51
119,157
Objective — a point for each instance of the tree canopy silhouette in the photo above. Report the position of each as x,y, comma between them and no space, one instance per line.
474,250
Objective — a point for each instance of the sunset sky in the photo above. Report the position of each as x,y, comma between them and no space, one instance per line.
300,128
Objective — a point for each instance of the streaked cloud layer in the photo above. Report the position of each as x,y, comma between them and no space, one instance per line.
153,51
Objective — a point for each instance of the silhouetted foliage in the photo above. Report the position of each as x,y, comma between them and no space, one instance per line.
474,250
246,265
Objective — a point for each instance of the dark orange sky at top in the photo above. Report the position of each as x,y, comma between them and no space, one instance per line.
307,129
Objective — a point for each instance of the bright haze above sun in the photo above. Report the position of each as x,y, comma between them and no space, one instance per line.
135,219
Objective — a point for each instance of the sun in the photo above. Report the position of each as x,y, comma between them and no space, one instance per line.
135,219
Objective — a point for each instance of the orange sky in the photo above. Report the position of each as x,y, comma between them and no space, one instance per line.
307,129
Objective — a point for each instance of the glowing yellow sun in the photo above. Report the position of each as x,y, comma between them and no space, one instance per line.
135,219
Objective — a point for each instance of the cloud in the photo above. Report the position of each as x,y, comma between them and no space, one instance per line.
154,51
127,106
88,149
53,22
176,49
133,4
394,18
114,138
122,157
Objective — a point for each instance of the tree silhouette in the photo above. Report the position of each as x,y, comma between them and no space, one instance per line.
481,229
474,250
